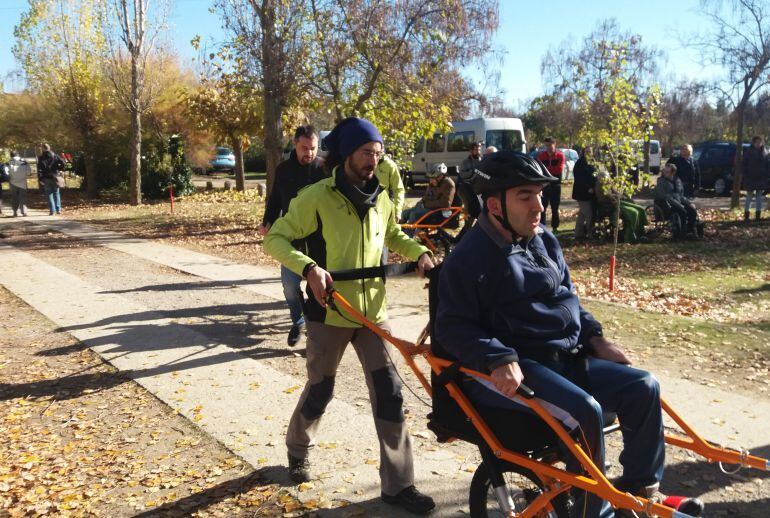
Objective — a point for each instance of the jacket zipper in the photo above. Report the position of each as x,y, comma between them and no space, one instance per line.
354,211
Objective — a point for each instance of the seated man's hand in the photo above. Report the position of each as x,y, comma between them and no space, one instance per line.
264,229
319,281
424,264
606,350
507,378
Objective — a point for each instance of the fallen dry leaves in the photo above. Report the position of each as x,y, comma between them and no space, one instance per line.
78,439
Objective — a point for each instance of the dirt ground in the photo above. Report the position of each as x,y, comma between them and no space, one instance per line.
79,439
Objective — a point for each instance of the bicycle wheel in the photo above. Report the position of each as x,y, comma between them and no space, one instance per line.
523,487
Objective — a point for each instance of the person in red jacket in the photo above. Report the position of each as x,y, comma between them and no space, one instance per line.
554,161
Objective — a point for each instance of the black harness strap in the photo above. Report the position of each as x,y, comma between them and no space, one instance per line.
387,270
448,374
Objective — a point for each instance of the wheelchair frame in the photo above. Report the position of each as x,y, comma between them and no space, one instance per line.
555,481
434,235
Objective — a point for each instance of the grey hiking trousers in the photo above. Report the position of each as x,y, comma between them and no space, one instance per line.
325,347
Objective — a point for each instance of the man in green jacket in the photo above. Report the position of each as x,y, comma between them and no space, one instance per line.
346,220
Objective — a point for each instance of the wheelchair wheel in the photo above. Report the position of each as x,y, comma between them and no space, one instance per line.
677,227
523,487
443,243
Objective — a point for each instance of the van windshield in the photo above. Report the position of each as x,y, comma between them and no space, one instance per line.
654,147
505,139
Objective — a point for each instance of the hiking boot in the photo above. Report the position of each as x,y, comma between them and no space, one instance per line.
295,334
299,469
411,500
683,504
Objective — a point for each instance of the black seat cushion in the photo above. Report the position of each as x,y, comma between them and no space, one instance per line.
518,431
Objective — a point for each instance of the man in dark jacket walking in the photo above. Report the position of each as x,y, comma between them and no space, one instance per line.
507,307
469,164
584,192
755,177
49,174
301,169
687,170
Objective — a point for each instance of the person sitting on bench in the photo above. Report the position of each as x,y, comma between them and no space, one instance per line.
507,306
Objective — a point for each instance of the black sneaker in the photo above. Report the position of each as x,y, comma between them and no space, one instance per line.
299,469
294,334
411,500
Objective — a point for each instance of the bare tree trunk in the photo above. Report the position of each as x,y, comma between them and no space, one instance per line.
135,179
240,176
135,150
735,196
92,188
647,155
273,138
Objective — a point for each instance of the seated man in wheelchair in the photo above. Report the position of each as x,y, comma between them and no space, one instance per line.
438,195
507,306
675,206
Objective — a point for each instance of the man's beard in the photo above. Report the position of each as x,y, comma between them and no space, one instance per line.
362,173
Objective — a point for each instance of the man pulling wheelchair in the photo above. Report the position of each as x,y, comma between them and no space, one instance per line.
507,306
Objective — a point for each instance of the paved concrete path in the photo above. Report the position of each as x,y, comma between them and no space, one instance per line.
246,404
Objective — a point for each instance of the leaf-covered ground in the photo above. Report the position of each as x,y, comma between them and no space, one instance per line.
724,277
79,439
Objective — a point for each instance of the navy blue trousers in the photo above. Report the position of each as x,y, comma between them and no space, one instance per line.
631,393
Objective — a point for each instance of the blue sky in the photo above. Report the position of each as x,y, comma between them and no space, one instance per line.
527,30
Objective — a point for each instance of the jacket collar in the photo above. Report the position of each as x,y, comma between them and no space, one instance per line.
499,240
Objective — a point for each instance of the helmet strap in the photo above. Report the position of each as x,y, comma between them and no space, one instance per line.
504,219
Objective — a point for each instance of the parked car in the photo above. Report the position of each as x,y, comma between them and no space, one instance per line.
716,160
224,160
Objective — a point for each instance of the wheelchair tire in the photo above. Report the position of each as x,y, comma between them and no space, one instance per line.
677,227
523,486
444,243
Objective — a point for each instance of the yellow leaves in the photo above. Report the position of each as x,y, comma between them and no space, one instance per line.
292,389
305,486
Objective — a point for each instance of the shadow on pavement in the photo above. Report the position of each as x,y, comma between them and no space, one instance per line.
189,505
201,285
699,478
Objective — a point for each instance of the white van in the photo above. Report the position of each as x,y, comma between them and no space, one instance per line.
655,154
454,147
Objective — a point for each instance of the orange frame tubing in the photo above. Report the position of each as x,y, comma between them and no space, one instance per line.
556,480
424,230
419,225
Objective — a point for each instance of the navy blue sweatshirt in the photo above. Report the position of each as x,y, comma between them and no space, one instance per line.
500,301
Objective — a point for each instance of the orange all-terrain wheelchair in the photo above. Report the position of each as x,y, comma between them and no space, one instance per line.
441,229
519,475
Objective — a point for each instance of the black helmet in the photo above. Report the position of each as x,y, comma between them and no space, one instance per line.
503,170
